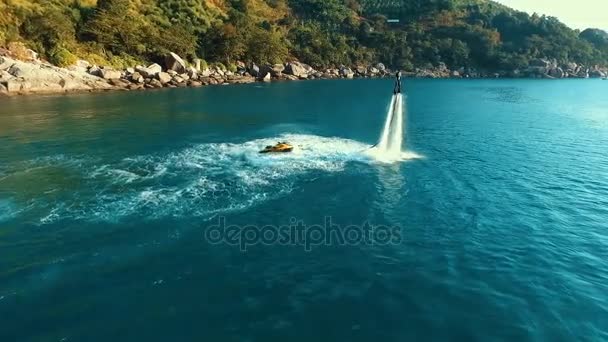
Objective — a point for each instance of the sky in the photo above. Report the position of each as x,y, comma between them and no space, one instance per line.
579,14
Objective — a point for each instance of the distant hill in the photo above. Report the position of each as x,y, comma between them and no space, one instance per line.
458,33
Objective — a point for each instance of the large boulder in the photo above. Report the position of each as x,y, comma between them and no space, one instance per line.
136,77
175,62
556,72
275,70
110,74
381,67
346,72
163,77
597,74
155,68
95,71
154,83
254,70
14,86
150,71
296,69
205,73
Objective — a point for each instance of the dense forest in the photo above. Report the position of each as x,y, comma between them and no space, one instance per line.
322,33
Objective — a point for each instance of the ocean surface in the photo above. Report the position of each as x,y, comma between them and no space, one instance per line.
148,216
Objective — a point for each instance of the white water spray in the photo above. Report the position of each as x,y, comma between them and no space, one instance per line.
389,148
391,139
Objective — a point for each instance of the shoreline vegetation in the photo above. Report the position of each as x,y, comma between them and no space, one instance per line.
68,45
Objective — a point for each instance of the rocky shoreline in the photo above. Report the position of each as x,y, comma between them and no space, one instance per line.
39,77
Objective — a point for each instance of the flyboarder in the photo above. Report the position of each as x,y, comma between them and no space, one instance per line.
397,89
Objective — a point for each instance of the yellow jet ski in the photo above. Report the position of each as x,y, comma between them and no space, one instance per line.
281,147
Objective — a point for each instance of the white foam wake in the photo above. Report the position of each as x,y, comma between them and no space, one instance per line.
199,181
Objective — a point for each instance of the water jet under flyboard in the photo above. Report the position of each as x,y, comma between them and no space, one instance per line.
390,145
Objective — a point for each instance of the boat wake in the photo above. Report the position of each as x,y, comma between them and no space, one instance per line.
198,181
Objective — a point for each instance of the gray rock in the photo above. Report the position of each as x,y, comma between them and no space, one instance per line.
205,73
3,90
276,70
172,72
373,70
556,73
14,86
148,72
219,72
597,74
110,74
175,62
267,77
95,71
571,66
163,77
117,82
455,74
130,71
346,72
192,72
136,77
178,79
296,69
154,83
254,70
154,69
381,67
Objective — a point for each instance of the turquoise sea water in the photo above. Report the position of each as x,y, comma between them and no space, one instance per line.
501,207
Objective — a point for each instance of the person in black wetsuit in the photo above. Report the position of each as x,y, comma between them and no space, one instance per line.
397,89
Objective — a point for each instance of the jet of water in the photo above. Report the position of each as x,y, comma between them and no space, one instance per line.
391,140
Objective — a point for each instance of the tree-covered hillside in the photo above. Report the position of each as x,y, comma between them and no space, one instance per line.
323,33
